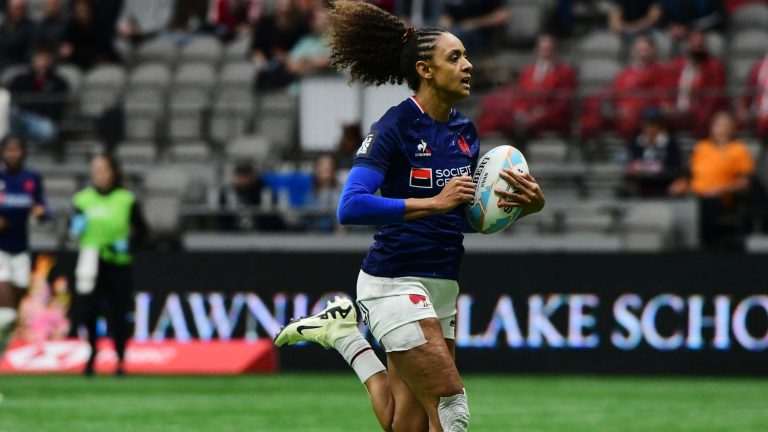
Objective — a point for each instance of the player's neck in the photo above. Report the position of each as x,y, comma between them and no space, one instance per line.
433,105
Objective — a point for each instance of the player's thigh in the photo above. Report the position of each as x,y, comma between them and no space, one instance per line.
409,415
429,370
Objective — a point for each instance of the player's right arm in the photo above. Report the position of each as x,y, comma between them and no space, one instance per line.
360,206
458,191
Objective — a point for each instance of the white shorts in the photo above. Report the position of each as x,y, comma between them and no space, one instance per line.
15,269
390,303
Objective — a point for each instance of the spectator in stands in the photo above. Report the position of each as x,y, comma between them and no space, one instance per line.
325,196
721,168
109,224
654,159
734,5
17,33
189,16
639,86
246,193
753,106
311,55
475,21
39,98
273,39
541,100
228,18
349,143
52,29
141,20
682,16
106,14
632,17
87,41
697,84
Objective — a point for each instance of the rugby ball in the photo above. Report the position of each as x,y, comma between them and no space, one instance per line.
483,212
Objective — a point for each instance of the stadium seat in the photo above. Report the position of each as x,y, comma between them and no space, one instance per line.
143,111
159,49
237,74
664,45
163,214
237,50
596,73
716,44
206,49
82,148
193,152
186,109
72,76
101,88
137,152
739,69
550,150
750,43
59,185
249,147
604,179
232,113
196,75
166,180
524,24
586,218
649,226
150,75
599,45
277,119
112,76
493,141
10,72
754,16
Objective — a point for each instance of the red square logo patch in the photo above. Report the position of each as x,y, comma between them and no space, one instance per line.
421,177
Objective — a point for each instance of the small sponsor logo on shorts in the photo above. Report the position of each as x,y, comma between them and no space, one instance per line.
420,300
452,323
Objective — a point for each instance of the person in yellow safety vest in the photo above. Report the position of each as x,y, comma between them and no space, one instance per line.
107,222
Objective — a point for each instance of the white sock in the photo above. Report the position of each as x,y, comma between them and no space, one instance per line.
7,316
359,354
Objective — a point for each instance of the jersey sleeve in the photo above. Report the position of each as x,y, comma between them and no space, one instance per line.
377,149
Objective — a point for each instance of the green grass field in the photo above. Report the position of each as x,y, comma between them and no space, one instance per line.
333,403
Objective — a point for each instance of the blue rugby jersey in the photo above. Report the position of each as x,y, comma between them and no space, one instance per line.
19,192
418,156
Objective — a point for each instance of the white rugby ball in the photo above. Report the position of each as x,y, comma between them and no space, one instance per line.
483,212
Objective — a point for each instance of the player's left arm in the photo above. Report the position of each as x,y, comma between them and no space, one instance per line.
40,209
527,193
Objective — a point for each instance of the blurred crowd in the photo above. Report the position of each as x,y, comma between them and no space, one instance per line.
648,101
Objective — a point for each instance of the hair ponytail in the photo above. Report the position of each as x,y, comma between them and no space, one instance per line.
376,46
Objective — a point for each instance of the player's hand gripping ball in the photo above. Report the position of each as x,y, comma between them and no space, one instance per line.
483,212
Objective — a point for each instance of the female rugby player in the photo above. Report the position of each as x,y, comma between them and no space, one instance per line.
420,154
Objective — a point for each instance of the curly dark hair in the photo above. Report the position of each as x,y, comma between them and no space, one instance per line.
376,46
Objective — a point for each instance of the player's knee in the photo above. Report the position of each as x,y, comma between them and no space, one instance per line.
454,413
